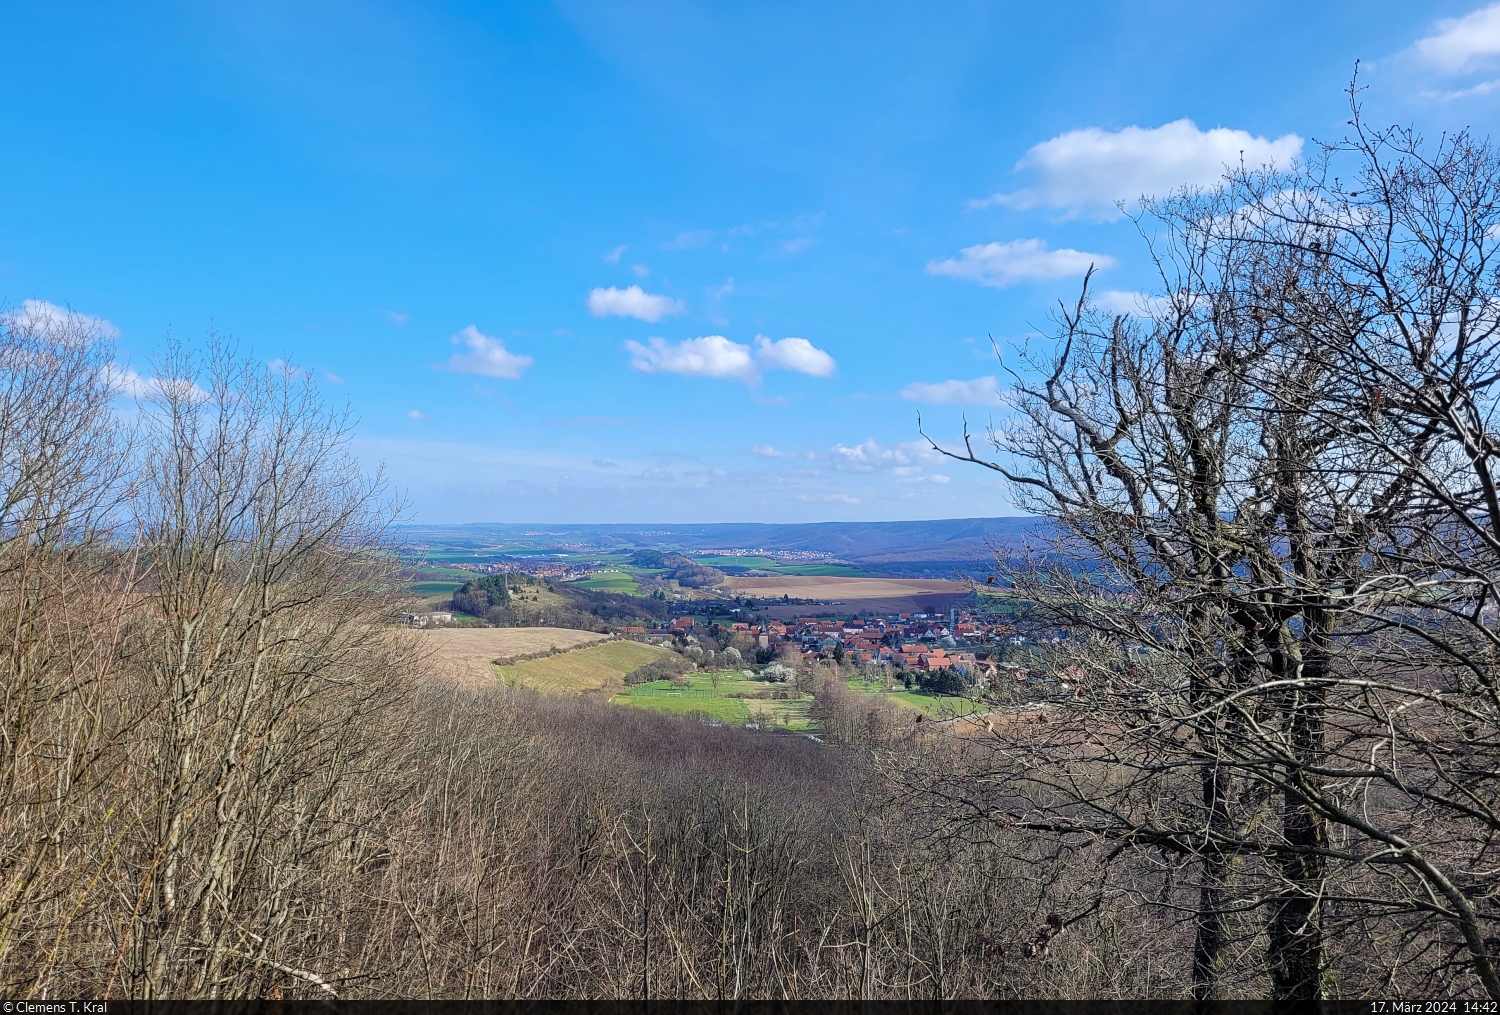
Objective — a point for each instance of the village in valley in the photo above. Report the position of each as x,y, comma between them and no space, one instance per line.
960,641
749,635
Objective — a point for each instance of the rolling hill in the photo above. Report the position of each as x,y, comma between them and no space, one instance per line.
934,548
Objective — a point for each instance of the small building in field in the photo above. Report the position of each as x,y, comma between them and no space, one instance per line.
426,619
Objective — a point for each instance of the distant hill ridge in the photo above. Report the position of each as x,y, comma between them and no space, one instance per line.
880,545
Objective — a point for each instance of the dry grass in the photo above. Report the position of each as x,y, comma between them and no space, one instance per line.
823,587
602,667
466,655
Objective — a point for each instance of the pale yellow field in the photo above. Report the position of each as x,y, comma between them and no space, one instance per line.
822,587
600,667
466,654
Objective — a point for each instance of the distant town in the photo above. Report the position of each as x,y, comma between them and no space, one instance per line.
961,641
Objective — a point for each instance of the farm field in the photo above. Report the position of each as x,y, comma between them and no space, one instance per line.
724,703
764,563
666,698
936,708
943,707
465,655
433,580
823,570
582,670
611,581
434,588
438,556
768,564
828,587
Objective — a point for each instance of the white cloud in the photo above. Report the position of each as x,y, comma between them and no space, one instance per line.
641,270
416,414
937,478
332,377
1092,169
1118,301
689,241
710,356
632,302
797,245
1477,91
1461,44
396,317
767,451
980,391
1003,264
871,456
613,257
291,371
41,314
717,356
794,354
124,380
487,356
718,292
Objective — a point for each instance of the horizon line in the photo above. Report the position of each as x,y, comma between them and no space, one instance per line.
891,521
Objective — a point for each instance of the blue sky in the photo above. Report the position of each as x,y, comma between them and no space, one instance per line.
608,261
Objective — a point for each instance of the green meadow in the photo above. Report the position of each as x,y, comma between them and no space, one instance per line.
936,707
434,588
765,563
823,570
611,580
740,700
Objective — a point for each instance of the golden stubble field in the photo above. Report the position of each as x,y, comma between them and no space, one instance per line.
465,655
599,668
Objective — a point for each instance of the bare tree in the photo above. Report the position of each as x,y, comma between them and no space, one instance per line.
63,585
1278,480
266,583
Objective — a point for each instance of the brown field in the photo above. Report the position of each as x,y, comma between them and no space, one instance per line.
465,655
596,668
819,587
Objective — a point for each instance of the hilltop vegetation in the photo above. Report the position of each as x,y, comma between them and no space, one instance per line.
534,602
479,594
688,573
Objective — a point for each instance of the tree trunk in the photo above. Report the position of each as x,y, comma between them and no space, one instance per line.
1296,933
1212,931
